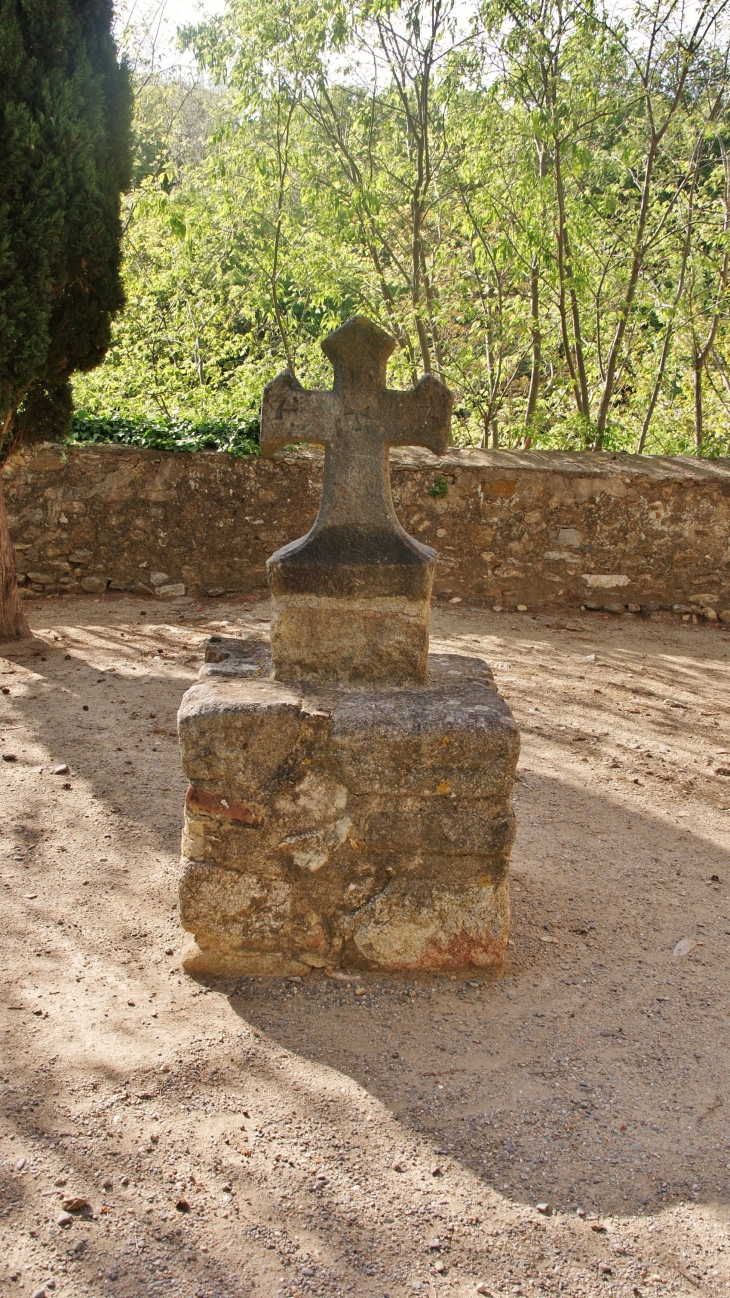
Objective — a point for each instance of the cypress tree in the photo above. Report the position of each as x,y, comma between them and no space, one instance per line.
65,159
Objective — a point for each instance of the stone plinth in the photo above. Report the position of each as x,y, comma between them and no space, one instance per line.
368,826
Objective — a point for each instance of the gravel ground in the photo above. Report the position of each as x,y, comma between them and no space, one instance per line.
369,1136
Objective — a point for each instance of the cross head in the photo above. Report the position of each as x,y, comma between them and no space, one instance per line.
356,422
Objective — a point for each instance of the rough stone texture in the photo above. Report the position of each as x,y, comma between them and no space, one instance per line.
357,825
351,599
534,528
346,803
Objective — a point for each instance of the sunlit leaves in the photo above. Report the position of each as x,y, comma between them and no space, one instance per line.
471,177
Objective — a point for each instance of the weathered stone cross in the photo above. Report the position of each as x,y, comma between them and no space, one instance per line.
350,600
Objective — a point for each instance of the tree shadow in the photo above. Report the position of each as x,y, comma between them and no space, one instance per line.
579,1078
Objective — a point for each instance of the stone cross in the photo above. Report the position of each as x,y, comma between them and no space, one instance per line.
350,600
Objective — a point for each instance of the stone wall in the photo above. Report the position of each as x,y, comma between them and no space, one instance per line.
511,528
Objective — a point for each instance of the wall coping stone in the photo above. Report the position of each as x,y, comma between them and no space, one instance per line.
48,455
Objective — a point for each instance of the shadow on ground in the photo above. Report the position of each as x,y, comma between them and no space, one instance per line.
594,1074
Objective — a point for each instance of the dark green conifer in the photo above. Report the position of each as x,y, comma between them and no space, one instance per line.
65,158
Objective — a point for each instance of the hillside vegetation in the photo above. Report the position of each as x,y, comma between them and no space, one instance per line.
533,197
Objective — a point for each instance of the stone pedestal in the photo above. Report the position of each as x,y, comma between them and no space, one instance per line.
366,826
355,622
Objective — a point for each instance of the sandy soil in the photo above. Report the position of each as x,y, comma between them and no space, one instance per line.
378,1136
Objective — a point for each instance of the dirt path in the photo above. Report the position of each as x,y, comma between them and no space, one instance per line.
383,1137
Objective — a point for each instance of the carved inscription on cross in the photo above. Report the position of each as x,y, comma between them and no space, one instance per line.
356,553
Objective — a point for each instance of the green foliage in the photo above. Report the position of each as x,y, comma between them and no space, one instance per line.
65,109
166,434
534,199
45,414
439,488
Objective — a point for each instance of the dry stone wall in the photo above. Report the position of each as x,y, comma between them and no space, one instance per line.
512,528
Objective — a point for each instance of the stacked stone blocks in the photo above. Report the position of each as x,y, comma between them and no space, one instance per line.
349,797
356,826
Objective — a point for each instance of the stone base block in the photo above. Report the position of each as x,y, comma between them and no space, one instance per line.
315,637
362,826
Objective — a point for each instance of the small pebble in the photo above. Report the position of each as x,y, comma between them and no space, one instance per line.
64,1219
61,770
76,1203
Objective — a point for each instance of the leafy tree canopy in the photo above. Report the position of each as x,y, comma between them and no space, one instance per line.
533,196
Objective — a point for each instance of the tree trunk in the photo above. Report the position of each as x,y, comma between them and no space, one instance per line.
677,299
699,417
13,624
576,362
637,263
490,431
536,343
655,390
423,343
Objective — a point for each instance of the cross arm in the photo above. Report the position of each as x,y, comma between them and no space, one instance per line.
421,417
290,413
